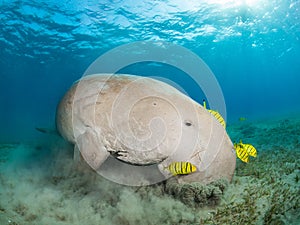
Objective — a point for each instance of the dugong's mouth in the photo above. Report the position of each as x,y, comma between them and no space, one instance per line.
122,155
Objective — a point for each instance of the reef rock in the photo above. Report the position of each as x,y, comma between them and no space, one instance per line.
130,128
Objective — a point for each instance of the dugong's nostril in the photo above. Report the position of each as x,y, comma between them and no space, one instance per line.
188,123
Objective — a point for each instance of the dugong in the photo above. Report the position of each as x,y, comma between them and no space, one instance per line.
130,128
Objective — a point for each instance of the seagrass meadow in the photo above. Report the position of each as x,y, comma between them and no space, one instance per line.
40,184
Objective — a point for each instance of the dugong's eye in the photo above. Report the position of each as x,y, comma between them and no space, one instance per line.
188,123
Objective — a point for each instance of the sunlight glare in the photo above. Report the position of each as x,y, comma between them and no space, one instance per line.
249,3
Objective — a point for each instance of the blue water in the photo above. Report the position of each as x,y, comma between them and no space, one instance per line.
252,47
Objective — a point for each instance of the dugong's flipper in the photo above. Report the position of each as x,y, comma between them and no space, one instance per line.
91,148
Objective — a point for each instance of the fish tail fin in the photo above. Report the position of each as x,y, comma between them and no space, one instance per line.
204,103
247,160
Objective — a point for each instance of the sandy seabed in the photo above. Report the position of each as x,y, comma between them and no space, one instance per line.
40,184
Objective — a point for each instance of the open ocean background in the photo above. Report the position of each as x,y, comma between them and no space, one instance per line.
252,47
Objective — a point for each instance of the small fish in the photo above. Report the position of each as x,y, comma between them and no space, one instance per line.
46,130
250,149
243,151
216,114
181,168
242,119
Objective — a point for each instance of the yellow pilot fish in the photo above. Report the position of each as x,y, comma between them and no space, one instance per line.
216,115
243,151
181,168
